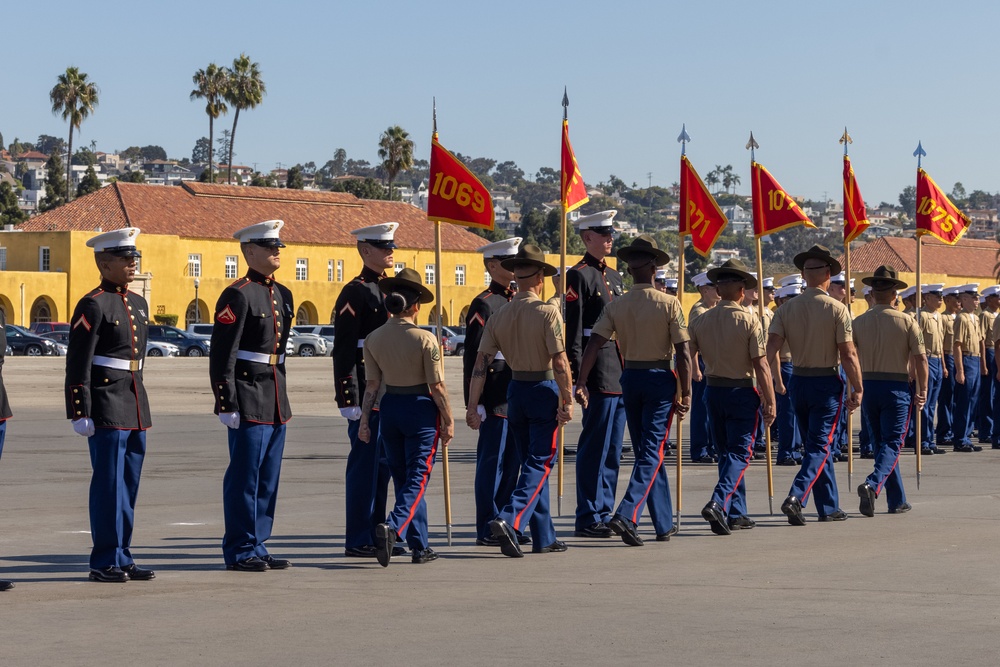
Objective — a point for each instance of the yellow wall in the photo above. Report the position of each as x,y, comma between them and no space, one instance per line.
51,286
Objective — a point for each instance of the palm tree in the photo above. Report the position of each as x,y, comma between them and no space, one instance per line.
396,151
75,97
211,83
734,180
712,177
246,90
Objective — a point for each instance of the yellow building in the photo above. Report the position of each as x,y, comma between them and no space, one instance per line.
189,255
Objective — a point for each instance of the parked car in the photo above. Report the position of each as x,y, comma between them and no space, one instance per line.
324,330
201,329
155,348
39,328
451,342
22,341
57,336
190,345
308,344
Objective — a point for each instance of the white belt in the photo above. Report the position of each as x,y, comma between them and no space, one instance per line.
118,364
587,332
361,342
260,357
498,357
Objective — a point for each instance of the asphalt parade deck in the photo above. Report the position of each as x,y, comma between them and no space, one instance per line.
920,588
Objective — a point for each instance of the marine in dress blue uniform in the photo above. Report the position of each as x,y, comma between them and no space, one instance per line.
649,326
359,310
253,317
701,449
404,361
818,330
891,349
969,367
5,414
106,400
497,464
731,339
529,334
591,284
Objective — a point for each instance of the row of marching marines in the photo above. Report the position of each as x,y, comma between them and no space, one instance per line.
626,357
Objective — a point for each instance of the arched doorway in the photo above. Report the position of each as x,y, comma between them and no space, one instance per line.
461,318
43,310
432,316
197,313
306,314
8,309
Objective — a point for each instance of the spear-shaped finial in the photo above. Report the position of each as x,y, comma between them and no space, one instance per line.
565,104
751,145
683,139
435,103
846,139
919,153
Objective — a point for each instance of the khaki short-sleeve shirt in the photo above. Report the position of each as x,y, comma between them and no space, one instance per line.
986,322
968,334
813,323
886,339
402,354
648,324
930,328
948,330
729,338
528,331
699,308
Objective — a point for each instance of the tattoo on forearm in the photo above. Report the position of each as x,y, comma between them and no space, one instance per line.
480,370
369,402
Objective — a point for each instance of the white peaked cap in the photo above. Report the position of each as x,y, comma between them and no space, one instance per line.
262,233
602,220
701,280
380,235
503,249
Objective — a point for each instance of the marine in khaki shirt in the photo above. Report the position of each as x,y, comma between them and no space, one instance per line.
886,339
401,354
729,337
637,315
528,331
813,324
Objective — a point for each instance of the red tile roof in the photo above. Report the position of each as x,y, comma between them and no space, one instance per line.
32,155
969,257
212,211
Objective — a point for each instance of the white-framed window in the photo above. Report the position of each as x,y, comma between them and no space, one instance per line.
460,275
399,266
138,264
340,270
232,266
428,274
3,259
487,278
194,266
329,270
43,258
302,269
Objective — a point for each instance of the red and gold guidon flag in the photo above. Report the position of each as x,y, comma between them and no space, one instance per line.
855,214
455,194
699,215
773,208
574,191
936,214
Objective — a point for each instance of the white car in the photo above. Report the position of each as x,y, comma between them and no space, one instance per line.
158,349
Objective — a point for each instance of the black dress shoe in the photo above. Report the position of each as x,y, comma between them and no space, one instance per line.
905,507
704,459
867,495
136,573
626,530
421,556
868,455
276,563
963,448
792,508
665,537
385,540
741,523
927,451
366,551
789,462
252,564
507,538
110,574
977,448
6,585
594,530
839,515
556,547
487,541
523,539
716,518
938,450
996,446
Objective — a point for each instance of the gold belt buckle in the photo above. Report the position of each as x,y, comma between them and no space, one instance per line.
134,365
272,359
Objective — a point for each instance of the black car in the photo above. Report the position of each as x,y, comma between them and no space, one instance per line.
190,344
22,341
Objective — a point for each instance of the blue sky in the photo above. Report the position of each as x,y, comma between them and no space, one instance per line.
339,73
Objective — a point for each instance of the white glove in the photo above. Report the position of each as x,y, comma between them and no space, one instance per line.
481,411
230,419
353,413
84,427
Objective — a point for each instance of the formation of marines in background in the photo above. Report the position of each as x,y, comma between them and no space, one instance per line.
627,357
